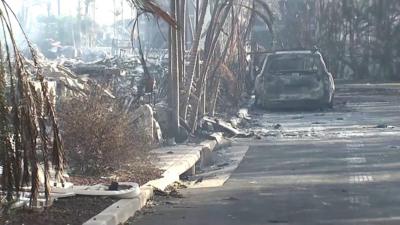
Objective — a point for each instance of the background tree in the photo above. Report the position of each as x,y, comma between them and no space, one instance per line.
357,37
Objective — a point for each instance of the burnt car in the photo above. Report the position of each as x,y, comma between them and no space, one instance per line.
292,79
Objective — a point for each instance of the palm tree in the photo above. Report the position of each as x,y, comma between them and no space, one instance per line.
193,81
193,57
26,120
150,6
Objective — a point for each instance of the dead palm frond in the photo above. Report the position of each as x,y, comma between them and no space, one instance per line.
26,113
150,6
261,10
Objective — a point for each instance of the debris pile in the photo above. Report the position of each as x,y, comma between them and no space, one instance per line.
124,75
230,127
121,78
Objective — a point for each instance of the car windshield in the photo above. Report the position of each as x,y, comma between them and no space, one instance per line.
293,63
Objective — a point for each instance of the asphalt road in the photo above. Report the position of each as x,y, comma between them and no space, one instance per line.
336,167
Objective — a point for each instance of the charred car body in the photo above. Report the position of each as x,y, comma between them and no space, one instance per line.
294,79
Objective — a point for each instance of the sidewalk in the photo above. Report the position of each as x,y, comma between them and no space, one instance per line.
174,160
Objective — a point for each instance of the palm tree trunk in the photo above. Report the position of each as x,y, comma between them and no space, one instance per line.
215,91
193,57
181,38
209,57
173,95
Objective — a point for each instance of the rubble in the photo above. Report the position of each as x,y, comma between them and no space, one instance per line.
145,121
381,126
124,74
65,82
220,125
171,191
119,78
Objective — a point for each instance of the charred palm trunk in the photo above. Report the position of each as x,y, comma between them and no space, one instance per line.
214,32
193,58
173,96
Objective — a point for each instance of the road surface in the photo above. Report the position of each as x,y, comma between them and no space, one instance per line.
335,167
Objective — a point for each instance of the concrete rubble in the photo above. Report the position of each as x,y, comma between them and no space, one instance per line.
144,120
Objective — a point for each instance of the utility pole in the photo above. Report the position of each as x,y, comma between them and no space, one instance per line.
173,84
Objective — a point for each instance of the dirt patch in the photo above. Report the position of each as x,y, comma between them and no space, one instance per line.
79,209
72,211
127,173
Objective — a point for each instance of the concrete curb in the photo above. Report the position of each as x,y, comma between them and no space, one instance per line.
209,146
172,173
122,210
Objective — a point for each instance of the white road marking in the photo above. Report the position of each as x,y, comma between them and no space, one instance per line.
352,161
355,160
355,145
359,200
359,179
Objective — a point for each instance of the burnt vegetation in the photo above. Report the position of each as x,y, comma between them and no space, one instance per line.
99,136
357,37
197,58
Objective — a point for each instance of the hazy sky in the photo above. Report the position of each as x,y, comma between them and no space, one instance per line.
104,8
